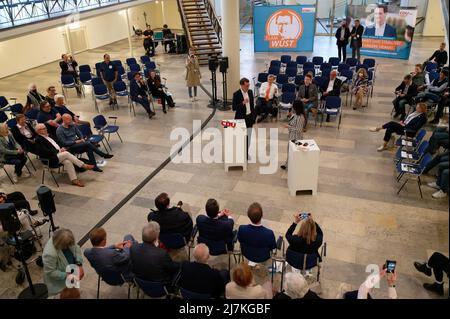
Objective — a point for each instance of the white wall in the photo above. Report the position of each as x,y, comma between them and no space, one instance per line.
29,51
434,21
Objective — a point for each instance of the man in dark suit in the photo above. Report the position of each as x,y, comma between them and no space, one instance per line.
114,258
150,262
172,220
381,28
24,133
216,226
405,92
256,235
138,93
342,36
68,65
199,277
244,107
331,88
356,40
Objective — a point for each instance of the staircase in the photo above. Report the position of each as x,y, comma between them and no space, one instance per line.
202,28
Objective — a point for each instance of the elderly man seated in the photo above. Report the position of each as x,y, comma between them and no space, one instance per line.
267,94
113,258
70,137
48,149
62,109
149,262
199,277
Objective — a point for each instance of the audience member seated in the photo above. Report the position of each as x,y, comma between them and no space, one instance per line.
255,234
199,277
114,258
243,286
138,93
296,287
49,150
331,88
440,56
439,138
12,153
372,281
50,97
309,236
62,109
216,225
149,262
148,43
50,117
68,65
24,134
172,220
157,90
436,89
60,252
443,102
413,123
441,183
70,137
359,88
267,93
34,98
308,93
419,77
405,93
19,201
437,265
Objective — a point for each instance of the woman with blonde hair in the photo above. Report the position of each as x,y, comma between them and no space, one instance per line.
243,286
309,236
359,89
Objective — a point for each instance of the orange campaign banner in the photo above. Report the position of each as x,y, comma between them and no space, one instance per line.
284,28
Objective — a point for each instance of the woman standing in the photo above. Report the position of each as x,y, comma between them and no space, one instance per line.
60,252
359,89
295,126
193,75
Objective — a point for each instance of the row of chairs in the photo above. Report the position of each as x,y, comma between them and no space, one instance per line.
299,261
411,159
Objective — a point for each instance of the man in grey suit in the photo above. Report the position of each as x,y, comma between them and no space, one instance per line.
309,95
114,258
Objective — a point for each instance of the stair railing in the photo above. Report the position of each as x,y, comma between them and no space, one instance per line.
217,26
184,23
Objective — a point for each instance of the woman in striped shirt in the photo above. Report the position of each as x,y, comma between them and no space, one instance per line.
296,124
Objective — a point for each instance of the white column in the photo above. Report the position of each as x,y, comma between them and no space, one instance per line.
163,13
231,43
69,44
130,43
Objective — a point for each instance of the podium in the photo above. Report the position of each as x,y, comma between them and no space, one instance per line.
303,170
234,144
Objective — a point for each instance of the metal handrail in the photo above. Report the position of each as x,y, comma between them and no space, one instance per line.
214,19
184,23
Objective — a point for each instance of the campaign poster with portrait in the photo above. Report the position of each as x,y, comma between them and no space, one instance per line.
388,29
283,28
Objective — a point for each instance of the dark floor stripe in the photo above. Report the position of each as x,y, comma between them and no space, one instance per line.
127,198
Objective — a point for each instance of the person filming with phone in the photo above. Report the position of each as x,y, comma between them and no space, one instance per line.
309,237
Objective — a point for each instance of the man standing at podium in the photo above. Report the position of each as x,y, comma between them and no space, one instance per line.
244,107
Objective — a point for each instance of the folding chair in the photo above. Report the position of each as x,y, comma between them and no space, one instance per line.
16,109
352,62
4,104
317,61
301,59
332,108
145,59
413,170
257,81
121,90
46,166
103,127
274,70
348,74
68,82
334,61
94,138
130,61
286,102
285,59
100,92
112,278
151,289
85,68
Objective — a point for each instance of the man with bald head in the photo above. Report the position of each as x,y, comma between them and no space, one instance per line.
199,277
70,137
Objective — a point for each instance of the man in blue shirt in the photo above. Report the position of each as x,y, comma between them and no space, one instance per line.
109,75
50,117
70,137
255,235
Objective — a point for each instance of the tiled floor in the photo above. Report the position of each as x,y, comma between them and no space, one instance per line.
363,219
